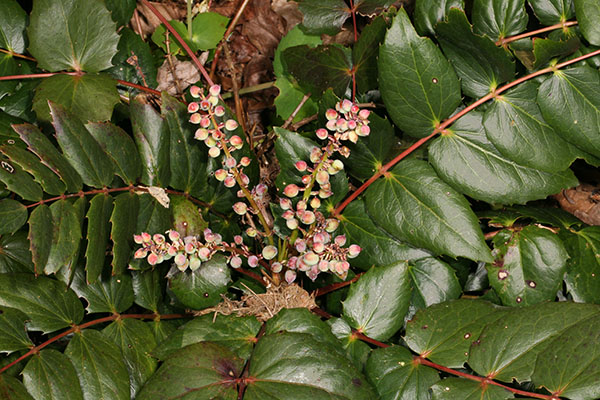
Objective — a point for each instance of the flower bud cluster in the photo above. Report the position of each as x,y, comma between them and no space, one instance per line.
210,116
347,122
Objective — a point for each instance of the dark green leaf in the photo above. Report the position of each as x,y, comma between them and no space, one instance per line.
151,136
152,216
588,14
14,253
120,148
289,148
499,18
19,102
480,64
13,333
323,16
12,388
529,266
207,31
111,294
123,223
81,149
364,55
237,334
48,303
420,86
545,50
147,288
370,7
326,374
412,203
203,287
13,216
41,146
301,320
356,350
550,12
570,102
550,216
377,303
13,22
99,365
395,376
470,163
40,236
456,388
19,181
433,282
120,10
83,35
50,375
187,218
583,268
136,340
66,234
97,235
317,69
203,370
134,61
429,12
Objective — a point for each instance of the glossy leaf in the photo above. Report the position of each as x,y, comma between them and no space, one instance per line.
187,218
545,50
429,12
123,220
583,267
444,332
13,22
479,63
207,31
13,216
550,12
152,216
19,181
456,388
50,375
433,281
277,358
370,7
290,147
97,216
119,146
468,161
120,10
47,302
323,16
81,149
301,320
421,88
15,255
204,370
66,234
99,365
377,303
413,204
112,294
13,332
499,18
588,13
203,287
147,288
13,389
364,55
133,50
570,102
356,350
40,235
41,146
83,35
237,334
393,373
135,340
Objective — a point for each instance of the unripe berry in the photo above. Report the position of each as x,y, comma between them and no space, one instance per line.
138,239
335,167
240,208
195,118
323,265
229,182
290,276
238,239
214,152
214,100
251,232
315,203
310,258
140,253
352,136
190,248
215,90
276,267
354,250
195,91
319,247
245,161
284,203
291,190
346,105
195,263
231,125
300,245
301,165
330,125
322,133
236,141
252,261
315,155
322,177
341,125
220,175
331,114
146,238
219,111
204,253
230,162
287,215
292,223
193,107
201,134
301,205
158,238
269,252
291,262
308,218
210,142
332,225
173,235
340,240
364,130
235,262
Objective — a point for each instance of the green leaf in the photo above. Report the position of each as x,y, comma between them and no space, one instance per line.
371,7
317,69
83,35
120,10
393,373
480,64
50,375
14,253
289,148
364,55
97,235
301,320
583,268
120,148
40,235
151,136
377,303
433,282
41,146
413,204
136,340
81,149
444,332
421,88
456,388
323,16
152,216
326,373
570,102
588,13
550,216
123,222
188,156
550,12
13,21
429,12
48,303
12,388
237,334
547,49
508,347
19,181
147,288
203,370
18,103
499,18
13,216
66,234
187,218
203,287
208,29
356,350
529,266
470,163
13,333
132,49
111,294
99,365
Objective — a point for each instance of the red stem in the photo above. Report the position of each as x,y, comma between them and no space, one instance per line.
560,25
353,11
336,286
77,328
445,124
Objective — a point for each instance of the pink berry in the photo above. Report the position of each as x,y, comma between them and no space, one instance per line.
340,240
301,165
193,107
364,114
140,253
214,152
300,245
276,267
310,258
290,276
252,261
219,111
292,223
195,118
354,250
205,122
153,259
331,114
173,235
291,190
346,105
146,238
180,259
245,161
231,125
220,175
215,90
229,182
322,133
269,252
240,208
195,91
138,239
308,217
236,141
284,203
201,134
204,253
235,262
238,239
230,162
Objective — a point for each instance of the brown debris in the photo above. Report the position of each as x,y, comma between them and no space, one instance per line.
148,21
264,306
582,201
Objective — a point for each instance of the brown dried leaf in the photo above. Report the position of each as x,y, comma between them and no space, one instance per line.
148,21
186,74
582,201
